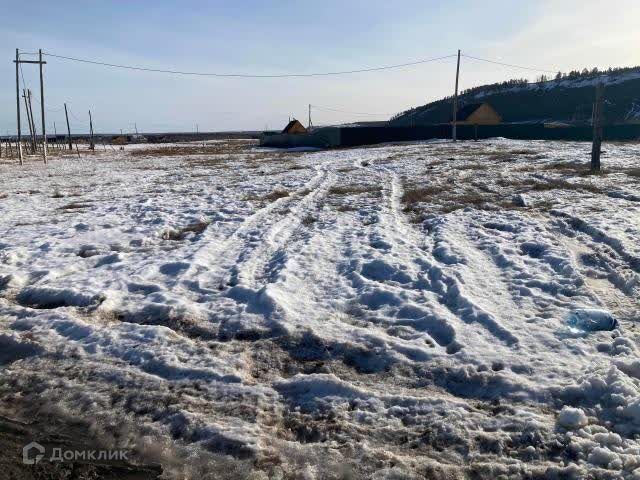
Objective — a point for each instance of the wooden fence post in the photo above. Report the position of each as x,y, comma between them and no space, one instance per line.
597,129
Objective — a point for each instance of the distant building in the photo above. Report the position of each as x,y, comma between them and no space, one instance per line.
478,114
136,138
294,127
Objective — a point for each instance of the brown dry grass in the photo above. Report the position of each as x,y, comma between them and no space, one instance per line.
181,233
548,184
354,189
275,195
269,197
191,149
74,206
308,220
421,194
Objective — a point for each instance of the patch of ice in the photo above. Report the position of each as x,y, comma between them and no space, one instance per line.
592,320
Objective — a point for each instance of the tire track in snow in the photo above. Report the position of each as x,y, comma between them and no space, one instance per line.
314,292
212,264
259,265
395,272
448,290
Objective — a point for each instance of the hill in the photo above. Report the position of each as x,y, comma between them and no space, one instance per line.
567,98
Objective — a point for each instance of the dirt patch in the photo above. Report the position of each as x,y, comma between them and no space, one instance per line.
14,435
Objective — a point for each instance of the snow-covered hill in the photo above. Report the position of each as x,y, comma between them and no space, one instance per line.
566,99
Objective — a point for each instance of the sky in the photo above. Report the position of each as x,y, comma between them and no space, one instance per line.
279,37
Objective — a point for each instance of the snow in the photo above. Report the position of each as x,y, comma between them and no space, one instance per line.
605,79
572,418
397,311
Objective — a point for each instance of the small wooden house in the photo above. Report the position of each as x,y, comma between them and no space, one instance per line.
478,114
294,127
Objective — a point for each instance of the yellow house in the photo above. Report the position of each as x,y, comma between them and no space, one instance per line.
478,114
294,127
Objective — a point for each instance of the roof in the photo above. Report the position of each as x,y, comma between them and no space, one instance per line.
291,124
466,111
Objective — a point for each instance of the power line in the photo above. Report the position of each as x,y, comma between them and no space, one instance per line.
24,85
241,75
52,110
71,112
533,69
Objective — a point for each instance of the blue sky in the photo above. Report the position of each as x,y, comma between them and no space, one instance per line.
291,37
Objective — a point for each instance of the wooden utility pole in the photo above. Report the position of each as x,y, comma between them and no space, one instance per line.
454,131
309,127
33,123
18,104
30,111
27,101
92,145
44,128
597,128
66,113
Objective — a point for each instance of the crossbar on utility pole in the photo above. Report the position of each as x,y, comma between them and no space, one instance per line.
454,132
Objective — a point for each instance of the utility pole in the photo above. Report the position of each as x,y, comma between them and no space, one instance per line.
30,110
597,129
92,145
309,127
136,127
18,105
66,114
26,94
33,123
44,129
26,107
455,103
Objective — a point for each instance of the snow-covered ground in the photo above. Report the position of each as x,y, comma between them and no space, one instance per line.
421,310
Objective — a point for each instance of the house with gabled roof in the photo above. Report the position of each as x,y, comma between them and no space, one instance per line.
477,114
